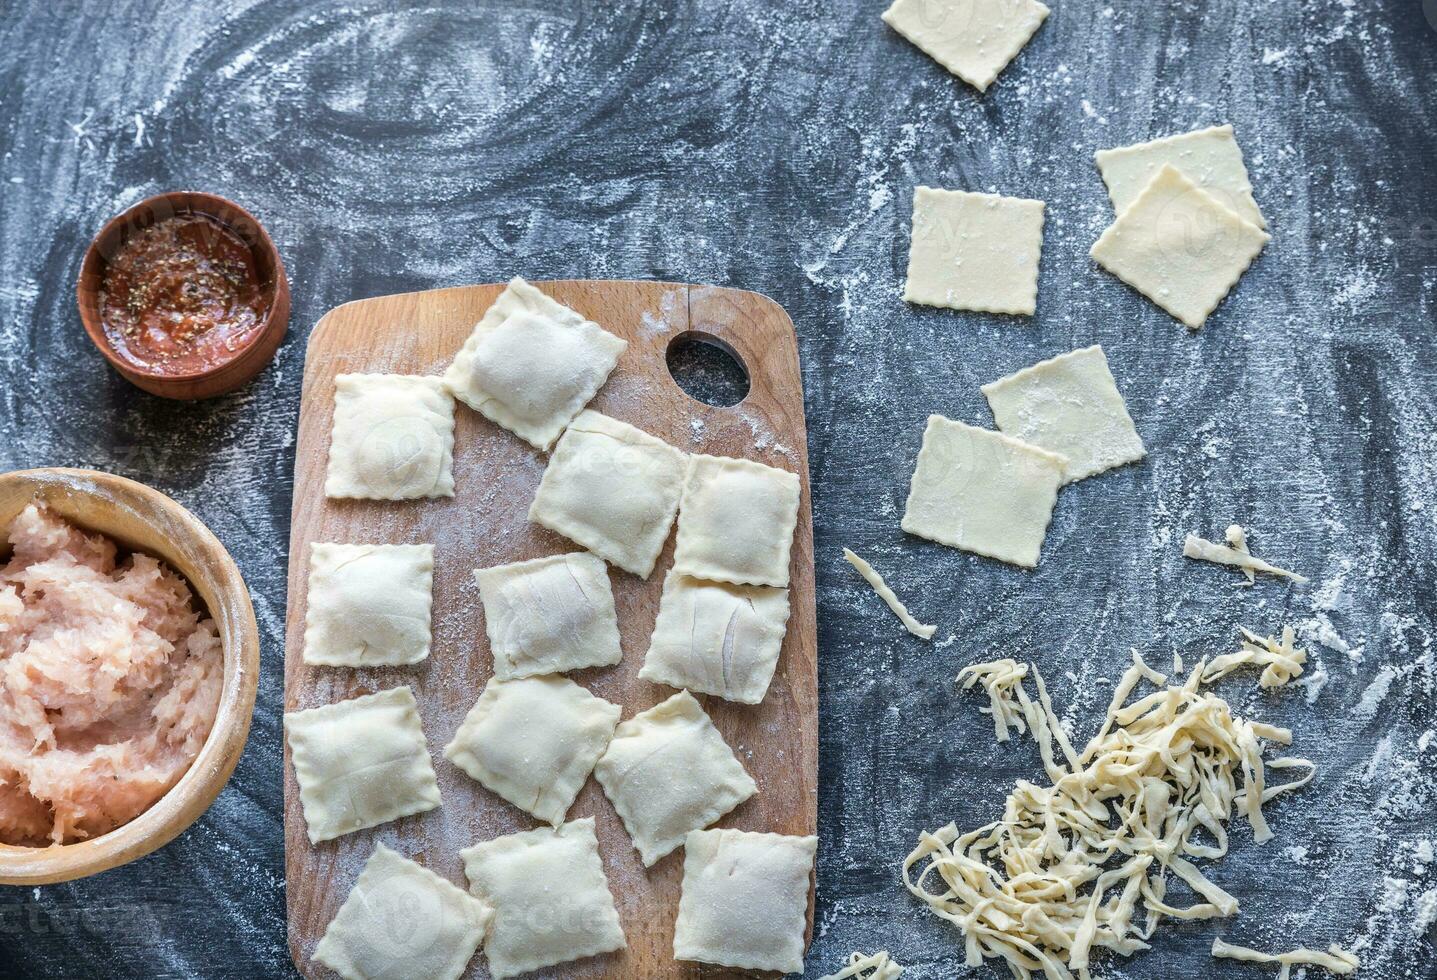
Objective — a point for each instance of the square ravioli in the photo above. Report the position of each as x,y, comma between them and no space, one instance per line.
368,604
613,489
403,920
1209,158
1180,247
1068,405
974,39
549,615
551,899
736,521
717,638
744,902
393,438
532,363
534,741
983,492
668,771
360,763
974,251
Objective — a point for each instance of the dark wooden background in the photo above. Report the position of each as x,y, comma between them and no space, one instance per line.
774,146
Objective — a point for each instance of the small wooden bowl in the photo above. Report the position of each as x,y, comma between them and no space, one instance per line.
142,519
256,354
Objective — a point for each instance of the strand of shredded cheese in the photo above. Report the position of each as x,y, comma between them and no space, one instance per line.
1221,554
1069,866
859,967
1336,960
887,595
1281,660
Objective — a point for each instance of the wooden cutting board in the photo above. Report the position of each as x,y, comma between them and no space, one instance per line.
485,524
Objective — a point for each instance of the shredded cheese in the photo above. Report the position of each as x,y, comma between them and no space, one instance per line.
1336,960
876,967
1072,865
1281,661
886,594
1221,554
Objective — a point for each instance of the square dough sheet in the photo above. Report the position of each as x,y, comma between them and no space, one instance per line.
744,902
403,920
360,763
717,638
1068,405
549,615
983,492
1210,158
668,771
613,489
974,39
551,899
974,251
368,604
534,741
1180,247
532,363
736,521
393,438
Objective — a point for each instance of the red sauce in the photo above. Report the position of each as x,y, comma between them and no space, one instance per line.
182,296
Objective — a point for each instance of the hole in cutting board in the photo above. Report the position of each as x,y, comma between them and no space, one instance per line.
707,369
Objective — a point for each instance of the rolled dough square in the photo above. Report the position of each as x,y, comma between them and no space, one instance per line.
532,363
393,438
668,771
983,492
360,763
368,604
1068,405
551,899
736,521
744,900
1180,247
717,638
974,39
403,920
549,615
974,251
613,489
534,741
1210,158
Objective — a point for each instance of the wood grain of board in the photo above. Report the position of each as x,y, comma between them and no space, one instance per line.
485,524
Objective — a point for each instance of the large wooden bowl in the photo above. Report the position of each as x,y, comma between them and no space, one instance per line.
141,519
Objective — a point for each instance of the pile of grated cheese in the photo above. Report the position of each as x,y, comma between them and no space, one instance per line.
1082,864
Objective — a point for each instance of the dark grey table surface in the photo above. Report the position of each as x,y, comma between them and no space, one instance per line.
774,146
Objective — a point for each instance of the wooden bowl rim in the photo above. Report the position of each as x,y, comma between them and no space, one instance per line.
213,206
233,614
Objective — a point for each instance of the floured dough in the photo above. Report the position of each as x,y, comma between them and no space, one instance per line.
402,920
744,900
974,39
1209,158
1180,247
532,363
534,741
551,899
717,638
1068,405
549,615
983,492
872,577
1221,554
879,966
736,521
1337,961
613,489
393,438
368,604
974,251
360,763
668,771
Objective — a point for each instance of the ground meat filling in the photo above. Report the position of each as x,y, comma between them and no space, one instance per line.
109,682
